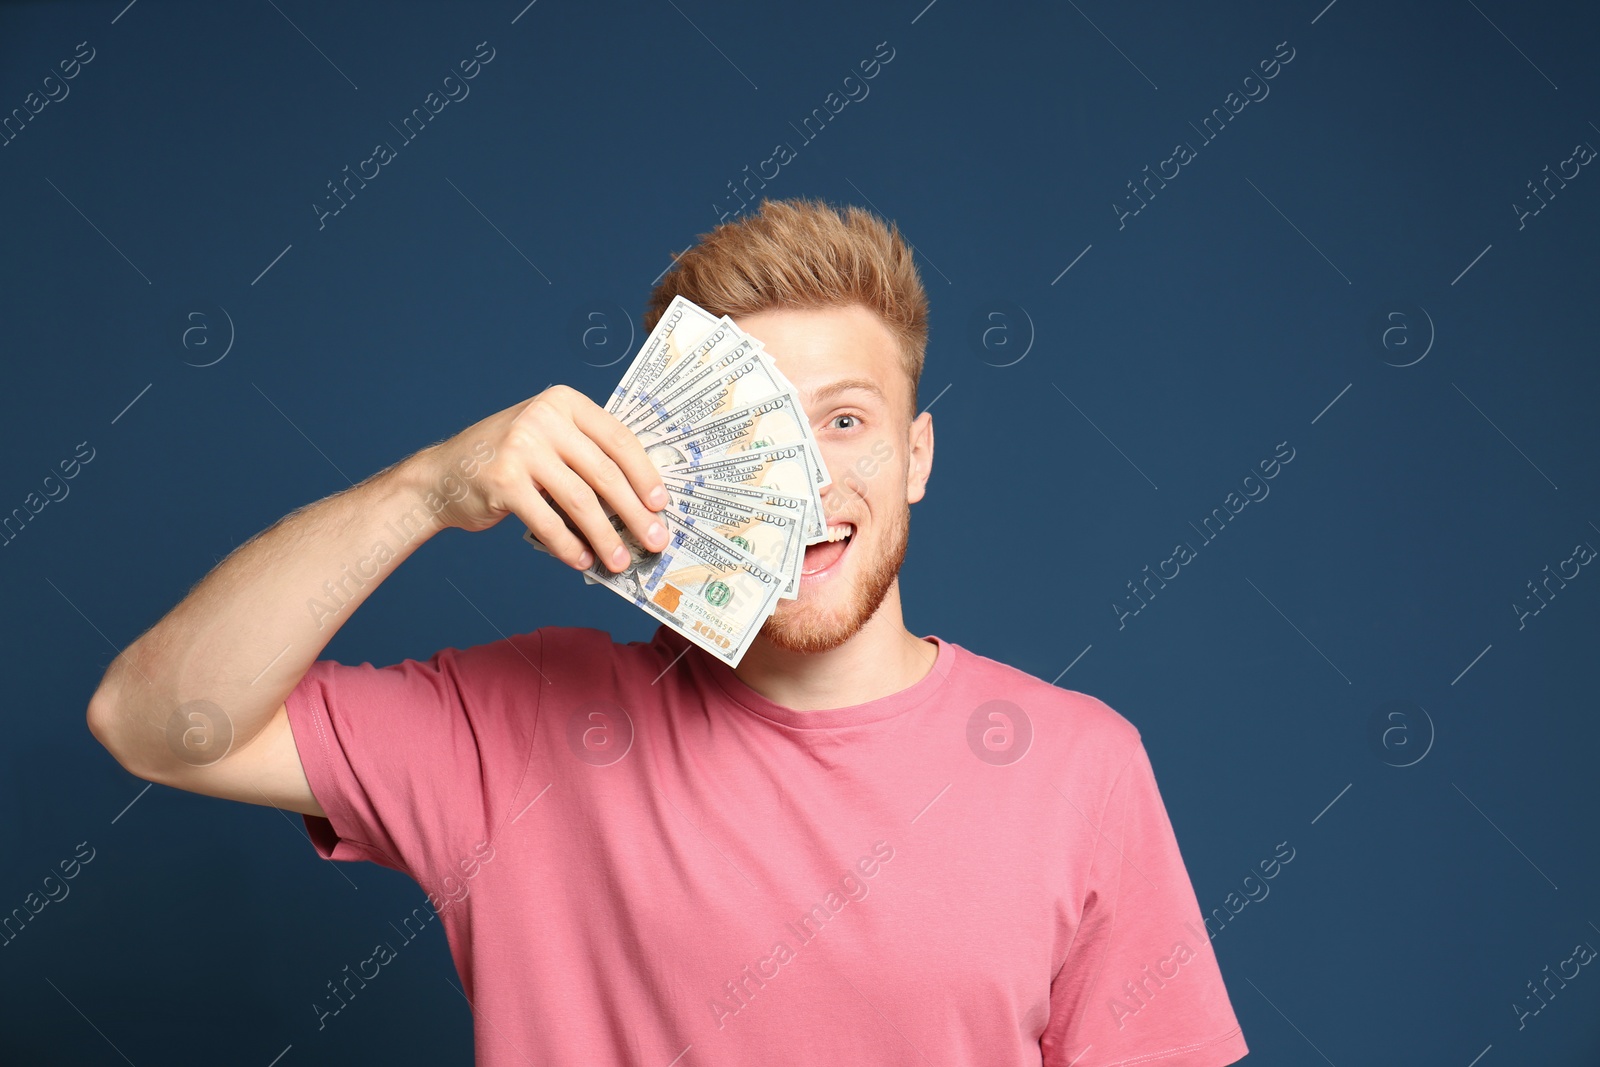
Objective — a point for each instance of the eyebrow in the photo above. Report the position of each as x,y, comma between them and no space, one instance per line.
844,385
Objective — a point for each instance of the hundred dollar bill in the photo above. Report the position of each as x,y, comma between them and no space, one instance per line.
798,507
741,378
738,512
795,507
786,469
766,525
777,420
680,327
680,360
724,345
701,585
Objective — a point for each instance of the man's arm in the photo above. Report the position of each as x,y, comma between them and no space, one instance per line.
197,701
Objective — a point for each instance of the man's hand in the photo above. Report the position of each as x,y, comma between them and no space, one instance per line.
559,446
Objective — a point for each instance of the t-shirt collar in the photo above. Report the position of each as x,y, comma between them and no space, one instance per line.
724,678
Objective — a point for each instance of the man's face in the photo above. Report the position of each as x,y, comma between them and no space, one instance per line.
847,368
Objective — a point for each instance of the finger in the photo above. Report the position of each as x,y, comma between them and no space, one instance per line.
619,443
538,515
605,477
583,509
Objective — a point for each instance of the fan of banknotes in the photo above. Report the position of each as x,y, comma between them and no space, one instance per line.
742,471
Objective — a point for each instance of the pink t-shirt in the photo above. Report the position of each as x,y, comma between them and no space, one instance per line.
639,859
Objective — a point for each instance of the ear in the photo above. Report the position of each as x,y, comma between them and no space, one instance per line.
919,445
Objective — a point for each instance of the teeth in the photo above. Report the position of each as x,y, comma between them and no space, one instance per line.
840,533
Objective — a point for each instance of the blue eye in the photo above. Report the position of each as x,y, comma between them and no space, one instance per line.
837,418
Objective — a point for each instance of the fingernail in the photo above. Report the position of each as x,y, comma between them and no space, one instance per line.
586,560
619,557
657,534
658,498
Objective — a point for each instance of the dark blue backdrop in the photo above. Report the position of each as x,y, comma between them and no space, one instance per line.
1354,267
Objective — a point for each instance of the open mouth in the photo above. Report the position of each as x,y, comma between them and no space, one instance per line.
822,557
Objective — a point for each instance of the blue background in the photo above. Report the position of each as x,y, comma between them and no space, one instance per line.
1085,418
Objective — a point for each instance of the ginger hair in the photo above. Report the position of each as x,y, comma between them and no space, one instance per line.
804,254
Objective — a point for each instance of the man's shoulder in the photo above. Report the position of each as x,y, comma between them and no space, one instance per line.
1078,712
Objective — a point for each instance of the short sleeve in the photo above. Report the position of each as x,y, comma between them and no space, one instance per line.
1140,984
414,763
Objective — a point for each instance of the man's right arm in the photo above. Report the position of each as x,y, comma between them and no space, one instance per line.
198,701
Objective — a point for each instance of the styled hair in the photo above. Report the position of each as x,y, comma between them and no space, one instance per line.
804,254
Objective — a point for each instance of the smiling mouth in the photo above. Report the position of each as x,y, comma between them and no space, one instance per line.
824,555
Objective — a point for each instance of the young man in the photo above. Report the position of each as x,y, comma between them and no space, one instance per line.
860,846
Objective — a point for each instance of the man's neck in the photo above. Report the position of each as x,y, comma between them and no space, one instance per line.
882,658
